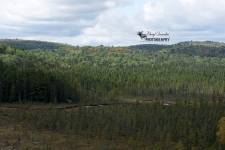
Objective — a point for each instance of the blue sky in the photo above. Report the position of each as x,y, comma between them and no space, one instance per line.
112,22
137,6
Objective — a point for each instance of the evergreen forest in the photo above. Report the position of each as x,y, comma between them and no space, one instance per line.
161,97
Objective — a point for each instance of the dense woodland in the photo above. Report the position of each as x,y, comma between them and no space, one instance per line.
191,75
29,44
108,73
184,125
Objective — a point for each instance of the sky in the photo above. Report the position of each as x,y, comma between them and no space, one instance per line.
112,22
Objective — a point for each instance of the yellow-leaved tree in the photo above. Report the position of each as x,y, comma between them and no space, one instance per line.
221,133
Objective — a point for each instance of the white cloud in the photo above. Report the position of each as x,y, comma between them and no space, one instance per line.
110,4
33,14
96,22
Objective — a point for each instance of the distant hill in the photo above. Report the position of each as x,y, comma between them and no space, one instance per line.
31,44
207,48
150,47
204,43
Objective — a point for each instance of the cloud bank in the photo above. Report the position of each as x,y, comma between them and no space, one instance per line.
109,22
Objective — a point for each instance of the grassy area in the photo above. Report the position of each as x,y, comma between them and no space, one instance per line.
17,137
39,126
15,134
124,125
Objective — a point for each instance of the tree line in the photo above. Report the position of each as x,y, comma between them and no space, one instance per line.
107,73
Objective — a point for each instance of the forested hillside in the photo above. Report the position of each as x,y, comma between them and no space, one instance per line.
208,49
181,88
150,47
109,73
31,44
